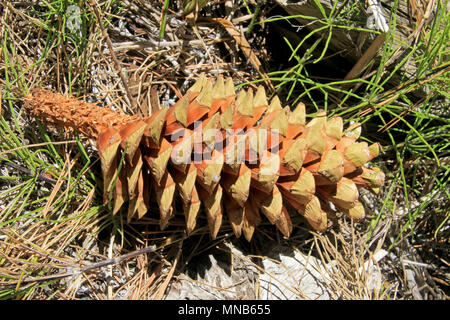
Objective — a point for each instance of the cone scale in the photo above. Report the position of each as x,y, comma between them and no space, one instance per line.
237,156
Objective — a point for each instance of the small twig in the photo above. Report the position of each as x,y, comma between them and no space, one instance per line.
117,260
30,173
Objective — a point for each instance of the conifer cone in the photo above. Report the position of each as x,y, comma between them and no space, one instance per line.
237,155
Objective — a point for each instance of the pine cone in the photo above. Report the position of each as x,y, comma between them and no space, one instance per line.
237,153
